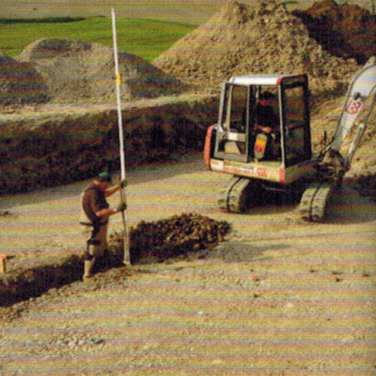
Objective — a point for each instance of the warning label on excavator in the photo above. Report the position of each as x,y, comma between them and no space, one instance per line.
238,170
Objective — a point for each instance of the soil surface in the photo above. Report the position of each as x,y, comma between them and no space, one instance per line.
278,296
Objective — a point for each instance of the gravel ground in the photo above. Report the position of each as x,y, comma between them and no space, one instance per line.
278,297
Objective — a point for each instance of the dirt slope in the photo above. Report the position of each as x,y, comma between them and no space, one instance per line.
20,83
238,39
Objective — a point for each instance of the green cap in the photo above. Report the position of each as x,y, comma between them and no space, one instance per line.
105,176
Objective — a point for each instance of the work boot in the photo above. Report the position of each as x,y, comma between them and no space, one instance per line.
88,268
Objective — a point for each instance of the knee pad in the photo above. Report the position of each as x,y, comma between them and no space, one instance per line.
88,256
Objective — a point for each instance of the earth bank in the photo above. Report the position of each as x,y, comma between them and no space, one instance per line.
48,149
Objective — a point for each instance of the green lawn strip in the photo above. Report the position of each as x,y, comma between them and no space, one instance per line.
142,37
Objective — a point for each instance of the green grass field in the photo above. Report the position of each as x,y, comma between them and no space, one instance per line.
142,37
145,28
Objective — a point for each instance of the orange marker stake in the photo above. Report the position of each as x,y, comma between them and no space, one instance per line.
3,263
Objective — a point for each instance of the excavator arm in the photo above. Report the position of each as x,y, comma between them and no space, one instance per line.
360,99
360,130
359,102
362,87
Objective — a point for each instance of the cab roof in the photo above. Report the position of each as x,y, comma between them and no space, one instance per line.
264,79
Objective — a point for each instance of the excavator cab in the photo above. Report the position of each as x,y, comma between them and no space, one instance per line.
287,114
262,136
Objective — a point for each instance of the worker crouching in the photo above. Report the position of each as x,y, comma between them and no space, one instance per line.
95,213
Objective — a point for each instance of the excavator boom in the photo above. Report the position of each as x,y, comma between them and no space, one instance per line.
362,86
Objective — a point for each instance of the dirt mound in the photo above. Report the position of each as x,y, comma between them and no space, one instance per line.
345,30
75,71
324,120
20,82
171,237
260,39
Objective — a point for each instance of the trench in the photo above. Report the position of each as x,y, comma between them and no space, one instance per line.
31,283
150,242
42,150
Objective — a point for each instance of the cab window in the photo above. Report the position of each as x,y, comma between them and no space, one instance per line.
296,124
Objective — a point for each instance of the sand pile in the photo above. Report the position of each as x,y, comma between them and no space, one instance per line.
20,82
265,38
75,71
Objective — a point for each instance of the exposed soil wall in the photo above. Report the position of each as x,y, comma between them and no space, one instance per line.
52,150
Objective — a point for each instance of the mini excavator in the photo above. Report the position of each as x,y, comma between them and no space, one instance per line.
280,159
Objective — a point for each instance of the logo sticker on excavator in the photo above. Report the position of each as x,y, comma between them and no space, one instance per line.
261,172
353,107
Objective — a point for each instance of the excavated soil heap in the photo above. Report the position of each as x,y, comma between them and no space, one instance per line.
77,72
20,82
265,38
171,237
345,30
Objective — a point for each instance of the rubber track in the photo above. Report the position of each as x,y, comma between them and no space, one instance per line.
314,201
232,198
